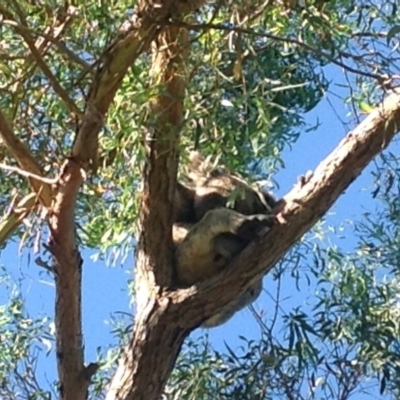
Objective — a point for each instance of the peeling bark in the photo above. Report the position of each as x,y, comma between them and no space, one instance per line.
68,277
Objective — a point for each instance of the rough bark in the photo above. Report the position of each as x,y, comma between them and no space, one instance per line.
74,376
154,262
168,318
68,279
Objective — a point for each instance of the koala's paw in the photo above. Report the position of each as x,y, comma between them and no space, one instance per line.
255,225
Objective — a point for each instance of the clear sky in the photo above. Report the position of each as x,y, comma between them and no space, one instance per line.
105,290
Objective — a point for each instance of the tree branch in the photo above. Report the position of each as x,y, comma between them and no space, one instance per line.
154,262
25,160
68,278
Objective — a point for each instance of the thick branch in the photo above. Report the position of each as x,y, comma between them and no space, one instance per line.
154,266
147,361
68,277
73,375
154,261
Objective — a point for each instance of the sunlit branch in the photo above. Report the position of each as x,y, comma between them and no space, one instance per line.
25,159
27,174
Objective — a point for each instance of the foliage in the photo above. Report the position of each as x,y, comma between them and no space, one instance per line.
251,81
22,340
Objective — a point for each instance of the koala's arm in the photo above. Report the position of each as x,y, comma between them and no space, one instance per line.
202,253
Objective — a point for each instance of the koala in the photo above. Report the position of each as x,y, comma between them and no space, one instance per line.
208,235
207,247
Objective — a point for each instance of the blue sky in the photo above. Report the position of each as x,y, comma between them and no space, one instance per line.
105,290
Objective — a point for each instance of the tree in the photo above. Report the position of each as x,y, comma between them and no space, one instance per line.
81,106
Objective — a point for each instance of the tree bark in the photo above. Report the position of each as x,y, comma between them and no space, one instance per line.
154,262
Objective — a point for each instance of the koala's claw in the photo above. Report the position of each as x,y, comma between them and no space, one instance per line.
255,226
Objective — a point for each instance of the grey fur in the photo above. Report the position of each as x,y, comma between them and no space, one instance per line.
208,235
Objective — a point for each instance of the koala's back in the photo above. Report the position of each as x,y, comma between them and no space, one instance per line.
194,262
195,255
223,189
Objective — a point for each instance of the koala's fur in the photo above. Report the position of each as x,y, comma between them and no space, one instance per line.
225,190
210,244
215,188
208,235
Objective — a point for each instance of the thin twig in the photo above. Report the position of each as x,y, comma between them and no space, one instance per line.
27,174
53,39
223,27
72,107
